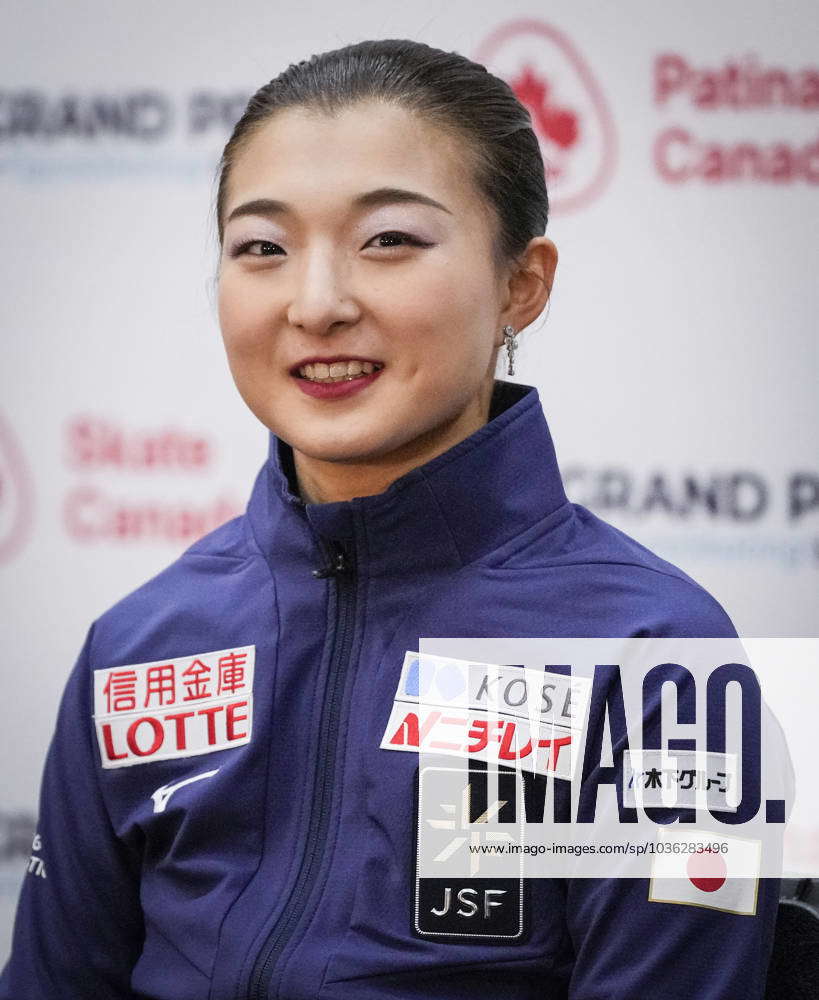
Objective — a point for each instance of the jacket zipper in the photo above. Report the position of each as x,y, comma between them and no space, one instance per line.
340,565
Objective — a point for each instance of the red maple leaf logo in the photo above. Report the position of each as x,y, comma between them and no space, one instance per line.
558,124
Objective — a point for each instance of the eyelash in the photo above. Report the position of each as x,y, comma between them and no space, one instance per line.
409,241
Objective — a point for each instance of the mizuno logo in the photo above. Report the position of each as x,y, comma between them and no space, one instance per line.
161,795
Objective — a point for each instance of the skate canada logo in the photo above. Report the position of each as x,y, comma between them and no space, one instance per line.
113,499
569,113
742,119
15,495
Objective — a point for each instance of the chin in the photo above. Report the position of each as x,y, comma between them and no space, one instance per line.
332,448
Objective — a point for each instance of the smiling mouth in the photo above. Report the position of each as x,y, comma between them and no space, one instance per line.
337,371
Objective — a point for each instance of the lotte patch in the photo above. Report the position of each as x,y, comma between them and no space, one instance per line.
174,708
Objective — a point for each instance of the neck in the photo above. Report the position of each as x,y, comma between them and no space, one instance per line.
323,481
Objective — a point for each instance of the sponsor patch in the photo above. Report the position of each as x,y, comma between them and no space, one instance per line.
694,779
722,876
529,719
174,708
488,910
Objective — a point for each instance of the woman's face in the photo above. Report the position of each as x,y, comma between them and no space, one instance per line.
361,242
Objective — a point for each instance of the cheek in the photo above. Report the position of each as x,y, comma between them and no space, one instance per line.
454,320
243,319
448,291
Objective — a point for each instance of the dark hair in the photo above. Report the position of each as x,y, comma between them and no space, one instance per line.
445,88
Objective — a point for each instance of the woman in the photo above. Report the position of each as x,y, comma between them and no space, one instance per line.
228,824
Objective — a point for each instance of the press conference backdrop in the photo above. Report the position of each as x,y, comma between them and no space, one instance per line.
677,363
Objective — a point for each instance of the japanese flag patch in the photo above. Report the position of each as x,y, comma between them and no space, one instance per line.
702,868
174,708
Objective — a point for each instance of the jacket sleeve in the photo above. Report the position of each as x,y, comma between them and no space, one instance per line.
630,947
78,930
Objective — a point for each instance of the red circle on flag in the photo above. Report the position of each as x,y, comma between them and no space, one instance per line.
707,870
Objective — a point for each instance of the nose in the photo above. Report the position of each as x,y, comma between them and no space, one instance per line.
322,301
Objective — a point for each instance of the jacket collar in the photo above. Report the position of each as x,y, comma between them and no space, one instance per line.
451,511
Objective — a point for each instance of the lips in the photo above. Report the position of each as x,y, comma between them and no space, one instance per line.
336,386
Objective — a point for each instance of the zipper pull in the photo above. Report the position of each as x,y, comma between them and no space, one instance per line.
340,564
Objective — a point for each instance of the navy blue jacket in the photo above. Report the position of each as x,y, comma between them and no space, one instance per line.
286,869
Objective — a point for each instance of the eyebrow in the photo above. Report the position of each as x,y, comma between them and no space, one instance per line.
370,199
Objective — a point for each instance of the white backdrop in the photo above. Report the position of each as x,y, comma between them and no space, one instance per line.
677,365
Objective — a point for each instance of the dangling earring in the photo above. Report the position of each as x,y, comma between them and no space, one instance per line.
510,339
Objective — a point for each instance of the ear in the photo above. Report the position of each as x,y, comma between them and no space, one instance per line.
529,284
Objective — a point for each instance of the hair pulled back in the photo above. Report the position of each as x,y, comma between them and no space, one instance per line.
447,90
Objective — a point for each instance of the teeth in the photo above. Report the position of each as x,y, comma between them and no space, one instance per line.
338,371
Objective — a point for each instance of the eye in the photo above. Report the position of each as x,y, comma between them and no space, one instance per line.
267,249
394,239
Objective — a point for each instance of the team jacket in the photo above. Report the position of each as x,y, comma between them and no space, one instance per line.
248,837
